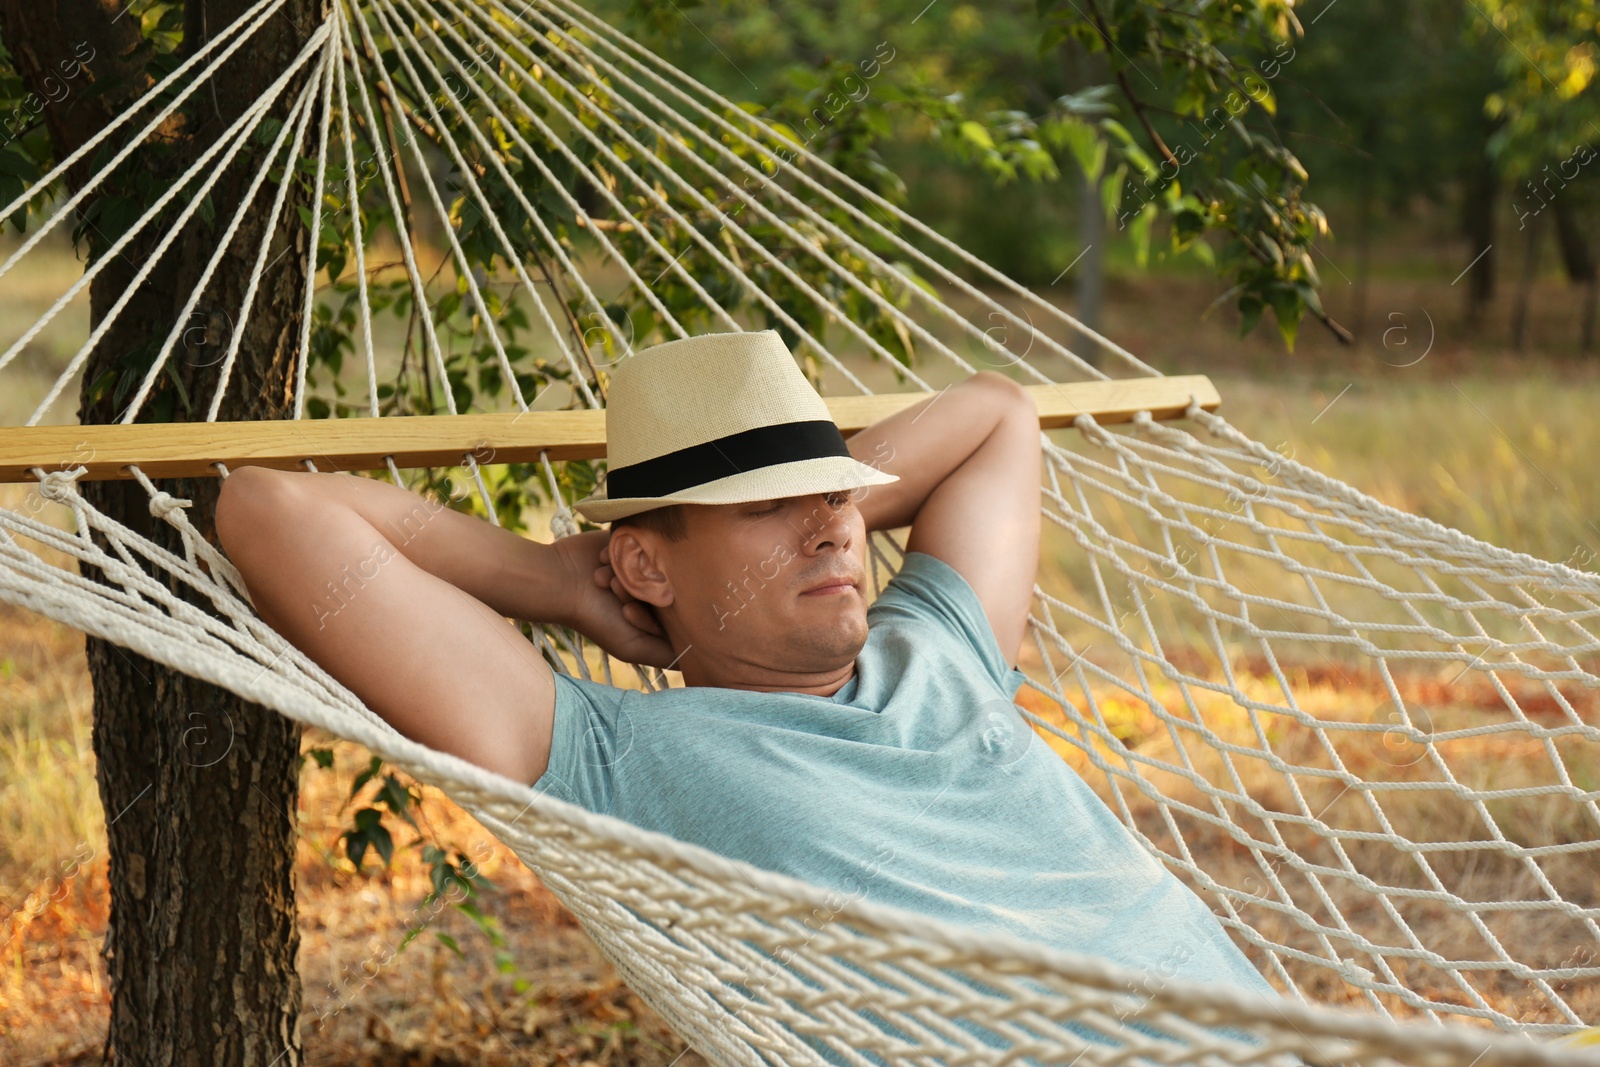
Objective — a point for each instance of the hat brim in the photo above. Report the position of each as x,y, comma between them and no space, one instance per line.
822,474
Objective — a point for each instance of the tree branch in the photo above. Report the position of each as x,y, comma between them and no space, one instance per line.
1127,90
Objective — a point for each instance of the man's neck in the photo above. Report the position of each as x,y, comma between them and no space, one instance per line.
821,683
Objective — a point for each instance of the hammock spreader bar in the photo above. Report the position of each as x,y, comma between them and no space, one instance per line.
193,449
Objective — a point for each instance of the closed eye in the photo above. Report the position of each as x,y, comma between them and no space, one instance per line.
835,501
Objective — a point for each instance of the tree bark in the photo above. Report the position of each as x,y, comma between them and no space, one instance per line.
1083,69
1530,273
1477,223
1368,195
1577,256
199,787
1091,270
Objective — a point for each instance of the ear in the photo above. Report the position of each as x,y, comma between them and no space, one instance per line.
636,560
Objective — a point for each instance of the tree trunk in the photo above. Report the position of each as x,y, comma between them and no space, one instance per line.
1530,273
1477,223
1091,269
1577,255
199,788
1082,69
1364,249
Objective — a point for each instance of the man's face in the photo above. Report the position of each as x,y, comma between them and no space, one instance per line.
744,584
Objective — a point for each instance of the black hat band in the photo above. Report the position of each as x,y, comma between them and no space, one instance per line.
763,446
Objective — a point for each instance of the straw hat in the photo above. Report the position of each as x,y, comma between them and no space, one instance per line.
724,418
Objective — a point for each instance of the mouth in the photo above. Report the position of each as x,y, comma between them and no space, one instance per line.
832,587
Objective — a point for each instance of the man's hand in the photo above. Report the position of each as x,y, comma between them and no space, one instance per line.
603,611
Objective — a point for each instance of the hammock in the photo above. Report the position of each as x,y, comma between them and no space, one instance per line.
1418,879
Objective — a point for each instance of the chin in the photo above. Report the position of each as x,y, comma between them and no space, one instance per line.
845,631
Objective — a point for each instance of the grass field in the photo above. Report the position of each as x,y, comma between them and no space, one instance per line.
1502,448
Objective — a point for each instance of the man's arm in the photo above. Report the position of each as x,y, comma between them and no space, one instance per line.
969,462
403,601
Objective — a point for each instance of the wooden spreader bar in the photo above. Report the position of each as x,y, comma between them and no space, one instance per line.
189,449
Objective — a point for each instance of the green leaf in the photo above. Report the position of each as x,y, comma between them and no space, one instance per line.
1287,308
485,923
1095,101
977,134
364,777
1087,148
1288,328
1141,160
333,260
1190,100
475,873
1111,190
1309,296
1187,224
369,831
397,798
177,384
1139,232
18,165
1266,100
450,943
97,391
1250,308
1118,132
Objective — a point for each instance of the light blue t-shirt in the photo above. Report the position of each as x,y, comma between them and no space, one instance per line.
917,785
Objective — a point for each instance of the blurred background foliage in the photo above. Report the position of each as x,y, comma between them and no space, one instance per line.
1223,137
1058,140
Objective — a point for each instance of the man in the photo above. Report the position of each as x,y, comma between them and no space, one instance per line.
870,749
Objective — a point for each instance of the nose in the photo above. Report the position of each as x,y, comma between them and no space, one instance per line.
827,524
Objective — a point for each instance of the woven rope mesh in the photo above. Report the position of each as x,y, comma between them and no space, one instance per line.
1367,740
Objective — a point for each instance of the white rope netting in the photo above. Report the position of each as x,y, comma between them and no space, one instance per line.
1368,741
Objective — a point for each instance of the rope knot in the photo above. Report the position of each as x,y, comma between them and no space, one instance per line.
563,524
163,504
1355,974
59,485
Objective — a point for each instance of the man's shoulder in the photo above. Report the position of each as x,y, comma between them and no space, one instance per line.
927,586
930,591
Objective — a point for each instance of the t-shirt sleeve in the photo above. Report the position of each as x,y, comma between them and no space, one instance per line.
591,733
929,588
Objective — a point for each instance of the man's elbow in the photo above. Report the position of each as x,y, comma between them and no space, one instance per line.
1012,396
248,499
1012,403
